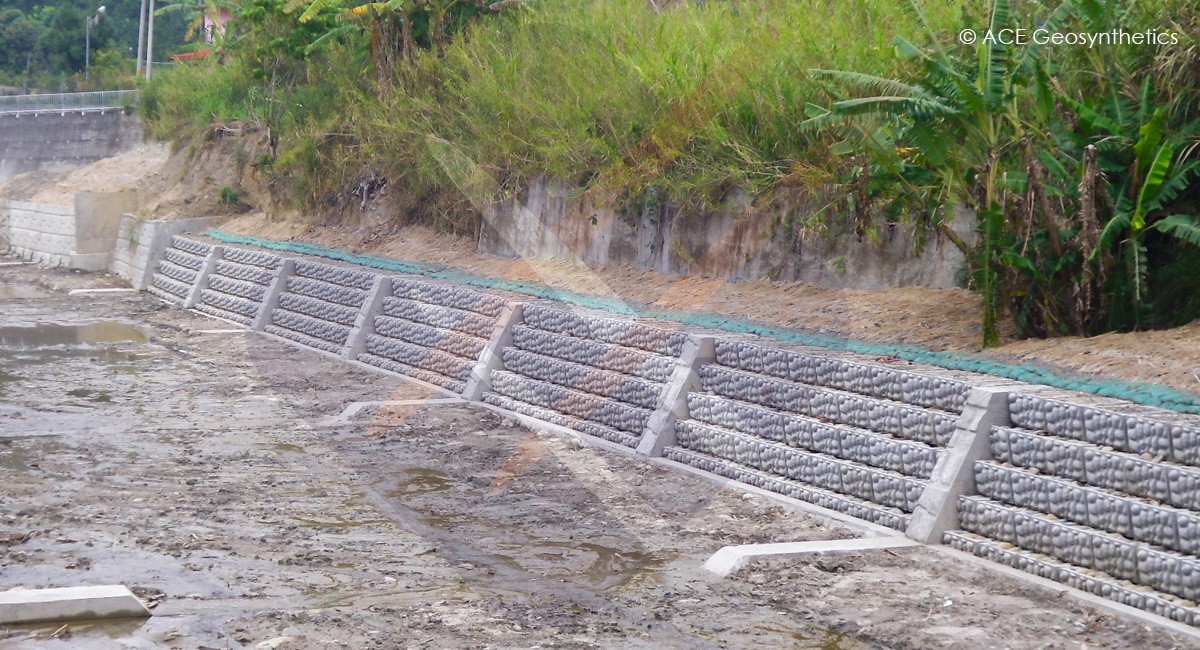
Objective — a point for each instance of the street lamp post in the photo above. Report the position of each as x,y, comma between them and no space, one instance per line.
141,39
150,41
87,42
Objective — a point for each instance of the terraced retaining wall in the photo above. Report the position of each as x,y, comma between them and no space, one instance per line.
601,376
857,438
1106,500
1100,495
431,332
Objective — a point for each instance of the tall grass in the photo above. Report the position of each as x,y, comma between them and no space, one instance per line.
695,100
181,105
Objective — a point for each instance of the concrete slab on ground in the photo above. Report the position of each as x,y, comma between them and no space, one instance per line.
730,559
69,604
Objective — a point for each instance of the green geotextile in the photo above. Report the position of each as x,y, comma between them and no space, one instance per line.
1142,393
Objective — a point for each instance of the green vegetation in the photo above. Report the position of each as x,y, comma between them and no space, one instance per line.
42,44
230,197
1078,161
1080,169
693,100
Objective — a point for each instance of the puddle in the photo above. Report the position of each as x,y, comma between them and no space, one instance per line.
95,396
7,378
79,630
604,566
34,344
12,458
830,640
33,356
52,334
419,480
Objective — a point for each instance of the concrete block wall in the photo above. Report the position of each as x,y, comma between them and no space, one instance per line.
64,139
132,251
42,233
318,304
1103,498
140,243
602,376
235,286
81,235
179,269
857,438
432,332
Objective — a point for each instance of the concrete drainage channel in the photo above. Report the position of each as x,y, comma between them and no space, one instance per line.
1095,494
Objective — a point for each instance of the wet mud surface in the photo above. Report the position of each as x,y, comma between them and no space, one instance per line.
214,473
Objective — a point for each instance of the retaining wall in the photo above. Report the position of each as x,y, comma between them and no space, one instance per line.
140,242
1103,498
432,332
1098,494
63,139
737,240
601,376
79,236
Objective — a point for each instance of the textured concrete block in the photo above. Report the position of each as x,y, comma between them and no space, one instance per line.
606,356
608,330
448,296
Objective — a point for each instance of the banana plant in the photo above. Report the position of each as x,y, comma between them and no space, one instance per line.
1157,177
963,123
395,27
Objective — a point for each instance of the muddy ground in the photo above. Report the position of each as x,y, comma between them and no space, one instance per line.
212,472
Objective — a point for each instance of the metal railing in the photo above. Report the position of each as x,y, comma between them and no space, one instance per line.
64,102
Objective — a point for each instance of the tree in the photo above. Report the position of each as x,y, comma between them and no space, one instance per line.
18,40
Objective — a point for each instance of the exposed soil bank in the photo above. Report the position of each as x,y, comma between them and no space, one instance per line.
203,468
